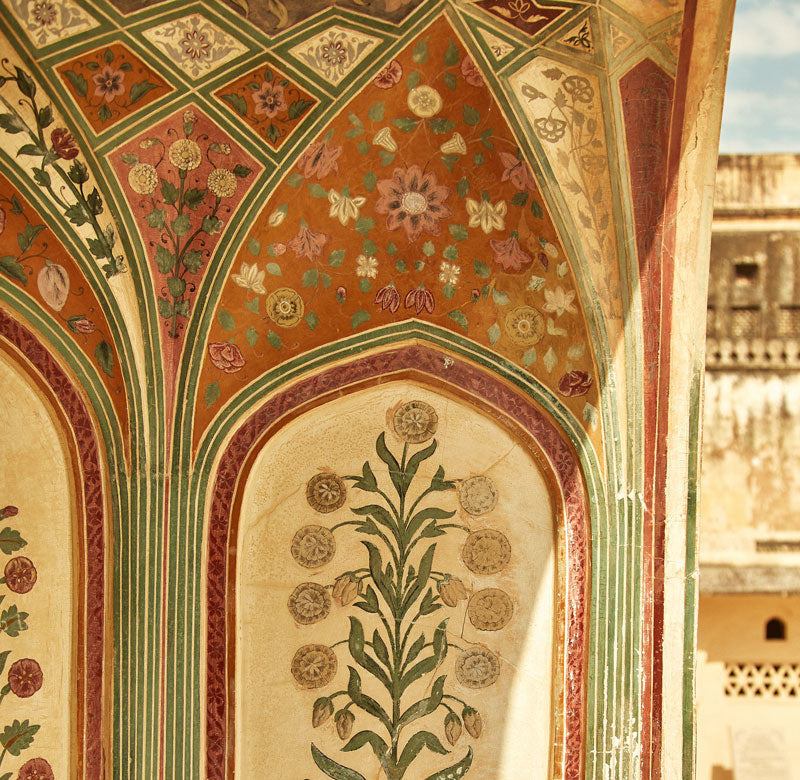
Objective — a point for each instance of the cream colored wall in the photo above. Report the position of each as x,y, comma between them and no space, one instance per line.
273,714
732,629
35,477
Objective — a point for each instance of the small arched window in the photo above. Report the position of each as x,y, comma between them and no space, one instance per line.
776,629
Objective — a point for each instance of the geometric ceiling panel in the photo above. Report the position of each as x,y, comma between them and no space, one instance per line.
196,45
48,22
335,52
526,15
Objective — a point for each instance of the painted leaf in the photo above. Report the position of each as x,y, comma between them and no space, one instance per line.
78,82
331,768
11,541
458,316
379,747
414,745
140,89
105,357
360,656
12,621
53,283
211,394
366,703
18,736
457,770
550,360
10,267
494,333
237,103
274,339
529,357
359,318
226,320
425,706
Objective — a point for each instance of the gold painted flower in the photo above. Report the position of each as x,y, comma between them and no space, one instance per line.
309,603
424,101
367,266
559,301
222,183
143,179
250,278
477,495
415,422
343,207
525,325
326,492
313,546
314,666
449,273
485,215
490,609
486,551
185,154
285,307
477,667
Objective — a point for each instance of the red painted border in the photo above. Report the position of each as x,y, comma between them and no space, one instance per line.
426,361
75,411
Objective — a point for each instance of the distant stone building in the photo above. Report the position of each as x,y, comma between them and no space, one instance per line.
749,547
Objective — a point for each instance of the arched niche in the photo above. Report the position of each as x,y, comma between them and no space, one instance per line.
51,476
534,720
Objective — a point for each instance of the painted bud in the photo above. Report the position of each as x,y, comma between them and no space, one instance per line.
323,709
452,727
345,590
9,511
344,720
472,722
451,591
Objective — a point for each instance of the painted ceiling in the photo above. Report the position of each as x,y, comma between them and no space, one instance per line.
204,204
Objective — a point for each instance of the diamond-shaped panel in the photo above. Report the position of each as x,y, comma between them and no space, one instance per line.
334,53
196,45
49,21
111,83
268,102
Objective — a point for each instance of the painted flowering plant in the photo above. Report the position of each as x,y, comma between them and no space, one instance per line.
25,677
184,212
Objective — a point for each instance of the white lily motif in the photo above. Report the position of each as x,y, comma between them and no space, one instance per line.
343,207
487,216
250,278
559,301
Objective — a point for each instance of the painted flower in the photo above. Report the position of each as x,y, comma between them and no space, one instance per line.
574,383
345,590
509,256
413,199
485,215
472,722
415,422
196,44
314,666
20,574
222,183
8,511
64,144
389,76
549,129
143,178
550,249
36,769
517,171
319,160
226,357
82,325
449,273
25,677
451,591
326,492
388,298
367,266
313,546
477,667
185,154
44,13
250,278
269,100
525,325
285,307
279,249
109,83
421,300
334,53
307,243
470,73
343,207
452,727
559,301
344,720
323,709
424,101
309,603
341,294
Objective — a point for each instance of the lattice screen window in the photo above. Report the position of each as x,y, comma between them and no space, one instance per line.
789,321
745,321
767,681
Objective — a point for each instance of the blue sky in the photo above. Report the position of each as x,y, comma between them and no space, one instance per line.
762,99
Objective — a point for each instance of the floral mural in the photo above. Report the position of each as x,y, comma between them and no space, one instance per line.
415,202
399,584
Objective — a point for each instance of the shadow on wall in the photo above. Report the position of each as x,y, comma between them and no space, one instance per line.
721,773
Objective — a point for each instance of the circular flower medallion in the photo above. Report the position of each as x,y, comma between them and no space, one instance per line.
326,492
25,677
285,307
309,603
525,325
36,769
415,422
185,154
20,574
313,546
143,179
477,668
314,666
424,101
222,183
490,609
486,551
477,495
